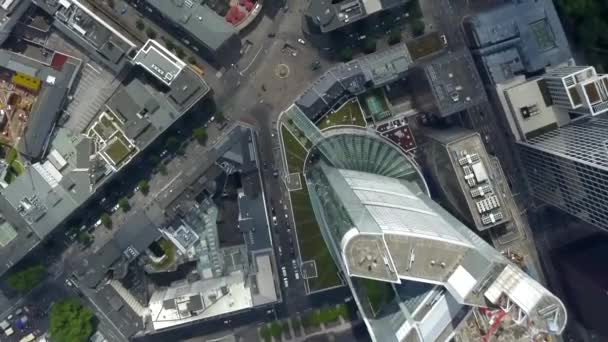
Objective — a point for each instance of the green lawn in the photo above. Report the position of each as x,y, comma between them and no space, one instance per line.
349,114
169,250
118,151
17,167
294,151
325,315
312,245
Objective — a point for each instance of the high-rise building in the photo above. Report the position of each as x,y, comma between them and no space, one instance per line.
415,271
560,124
579,88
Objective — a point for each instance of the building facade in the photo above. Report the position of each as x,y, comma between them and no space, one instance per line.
414,270
560,123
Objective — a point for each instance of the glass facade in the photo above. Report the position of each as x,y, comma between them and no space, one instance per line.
412,267
568,168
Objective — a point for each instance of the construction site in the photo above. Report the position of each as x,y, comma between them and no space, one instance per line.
18,94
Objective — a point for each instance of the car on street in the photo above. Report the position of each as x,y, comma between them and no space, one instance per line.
280,251
274,220
301,41
286,282
284,271
115,208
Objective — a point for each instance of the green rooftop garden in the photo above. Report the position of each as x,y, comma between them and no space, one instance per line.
349,114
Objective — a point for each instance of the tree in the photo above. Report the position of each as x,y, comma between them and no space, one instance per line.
139,24
154,160
418,27
172,144
144,187
70,322
180,52
369,45
151,33
110,3
26,279
219,117
346,54
124,204
200,134
169,44
394,37
106,220
85,238
191,60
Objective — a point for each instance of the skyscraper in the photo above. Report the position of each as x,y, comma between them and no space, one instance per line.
414,270
561,125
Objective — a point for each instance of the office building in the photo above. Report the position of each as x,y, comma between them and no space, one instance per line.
415,271
579,88
466,178
198,26
556,119
517,37
327,15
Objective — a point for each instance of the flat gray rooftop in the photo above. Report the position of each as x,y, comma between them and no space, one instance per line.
159,61
528,33
198,20
454,82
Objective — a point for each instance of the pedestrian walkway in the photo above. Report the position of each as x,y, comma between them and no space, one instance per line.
292,329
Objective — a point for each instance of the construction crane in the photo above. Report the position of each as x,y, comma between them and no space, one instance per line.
495,317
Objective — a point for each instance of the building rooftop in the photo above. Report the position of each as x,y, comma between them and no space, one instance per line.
527,34
395,232
76,165
454,83
528,107
331,15
55,85
188,302
10,13
353,78
135,236
469,166
159,61
90,32
197,19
